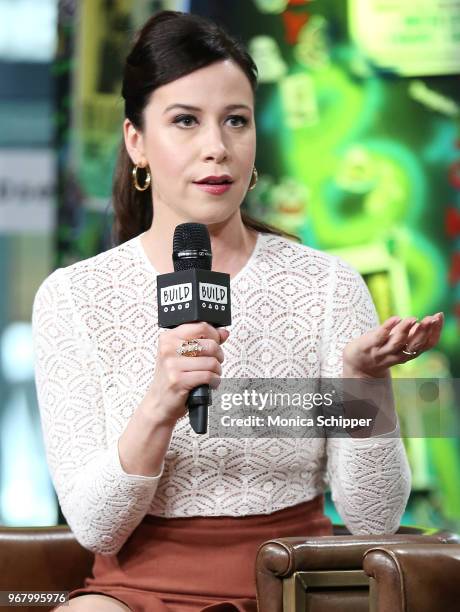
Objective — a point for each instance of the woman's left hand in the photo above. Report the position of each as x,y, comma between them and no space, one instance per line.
395,341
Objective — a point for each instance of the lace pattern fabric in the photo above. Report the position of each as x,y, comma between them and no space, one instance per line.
95,333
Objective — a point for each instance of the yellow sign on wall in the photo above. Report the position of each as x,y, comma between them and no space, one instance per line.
416,38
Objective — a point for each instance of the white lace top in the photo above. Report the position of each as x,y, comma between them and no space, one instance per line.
95,332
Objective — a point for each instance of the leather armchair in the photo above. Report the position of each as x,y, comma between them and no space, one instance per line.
42,559
414,577
291,573
325,574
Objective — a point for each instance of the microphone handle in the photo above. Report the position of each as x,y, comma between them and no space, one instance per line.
198,401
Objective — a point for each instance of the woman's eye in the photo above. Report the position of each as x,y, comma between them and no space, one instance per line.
243,121
182,118
188,121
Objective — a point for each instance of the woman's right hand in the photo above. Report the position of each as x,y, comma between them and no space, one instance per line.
176,375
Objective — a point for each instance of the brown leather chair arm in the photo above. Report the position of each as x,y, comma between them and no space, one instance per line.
42,558
280,558
416,577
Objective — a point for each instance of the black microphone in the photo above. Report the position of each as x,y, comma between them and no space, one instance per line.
194,293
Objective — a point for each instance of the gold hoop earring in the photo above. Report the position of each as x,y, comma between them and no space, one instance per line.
148,178
254,178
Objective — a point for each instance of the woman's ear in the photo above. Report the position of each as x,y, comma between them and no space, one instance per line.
134,143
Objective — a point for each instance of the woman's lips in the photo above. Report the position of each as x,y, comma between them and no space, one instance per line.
216,189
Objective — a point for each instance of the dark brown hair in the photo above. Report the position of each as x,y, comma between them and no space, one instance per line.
170,45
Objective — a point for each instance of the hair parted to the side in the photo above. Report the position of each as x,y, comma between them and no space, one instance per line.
170,45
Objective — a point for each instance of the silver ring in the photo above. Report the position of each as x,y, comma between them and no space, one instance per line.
410,353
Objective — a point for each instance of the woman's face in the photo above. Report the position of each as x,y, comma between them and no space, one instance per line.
183,145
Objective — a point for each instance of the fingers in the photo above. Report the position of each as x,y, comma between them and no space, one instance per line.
417,337
394,342
437,323
209,349
168,347
414,336
385,329
223,333
397,338
199,330
194,364
176,375
206,364
197,378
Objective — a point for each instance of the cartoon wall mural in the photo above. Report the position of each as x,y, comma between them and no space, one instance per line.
358,153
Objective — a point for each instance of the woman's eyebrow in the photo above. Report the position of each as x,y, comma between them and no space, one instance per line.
196,108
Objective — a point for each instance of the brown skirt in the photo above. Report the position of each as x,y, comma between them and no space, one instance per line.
197,564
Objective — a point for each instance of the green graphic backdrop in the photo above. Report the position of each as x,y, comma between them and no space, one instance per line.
358,154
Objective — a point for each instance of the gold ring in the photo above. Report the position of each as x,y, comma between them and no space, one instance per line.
189,348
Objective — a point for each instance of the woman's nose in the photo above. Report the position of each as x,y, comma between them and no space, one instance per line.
214,146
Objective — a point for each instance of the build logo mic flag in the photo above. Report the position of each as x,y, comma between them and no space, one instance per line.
193,295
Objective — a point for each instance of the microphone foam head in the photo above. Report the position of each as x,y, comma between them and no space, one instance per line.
191,247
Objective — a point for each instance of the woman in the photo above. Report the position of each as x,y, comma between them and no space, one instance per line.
175,518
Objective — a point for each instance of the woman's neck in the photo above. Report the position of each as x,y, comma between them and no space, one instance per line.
232,243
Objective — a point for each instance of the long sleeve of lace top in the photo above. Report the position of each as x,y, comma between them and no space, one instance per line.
369,477
101,503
